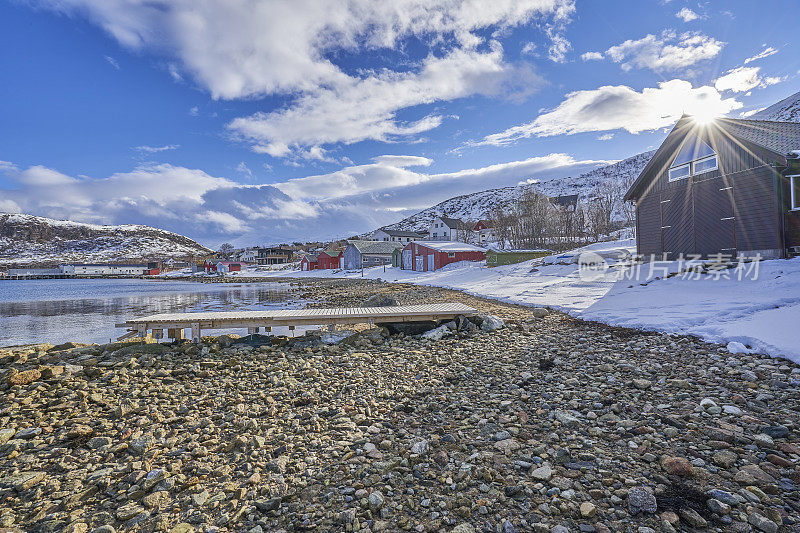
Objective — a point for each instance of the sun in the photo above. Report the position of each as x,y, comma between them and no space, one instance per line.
704,117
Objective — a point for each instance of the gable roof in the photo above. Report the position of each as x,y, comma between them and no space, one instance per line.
452,223
402,232
780,138
376,247
565,200
449,246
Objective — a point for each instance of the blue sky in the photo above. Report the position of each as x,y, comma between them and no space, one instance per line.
266,121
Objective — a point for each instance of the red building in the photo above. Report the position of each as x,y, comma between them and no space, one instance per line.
481,224
329,259
433,255
309,262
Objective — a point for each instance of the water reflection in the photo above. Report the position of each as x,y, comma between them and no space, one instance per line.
85,310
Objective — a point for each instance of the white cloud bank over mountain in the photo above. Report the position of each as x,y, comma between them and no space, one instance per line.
241,49
614,107
212,210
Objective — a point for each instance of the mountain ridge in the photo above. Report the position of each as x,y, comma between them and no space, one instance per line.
35,240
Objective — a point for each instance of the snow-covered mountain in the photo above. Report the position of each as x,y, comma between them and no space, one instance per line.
787,110
32,240
481,204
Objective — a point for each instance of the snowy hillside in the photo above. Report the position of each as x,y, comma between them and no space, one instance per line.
480,205
787,110
28,239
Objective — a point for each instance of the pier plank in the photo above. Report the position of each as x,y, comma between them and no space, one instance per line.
296,317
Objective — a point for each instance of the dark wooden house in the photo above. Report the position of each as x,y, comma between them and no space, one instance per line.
725,186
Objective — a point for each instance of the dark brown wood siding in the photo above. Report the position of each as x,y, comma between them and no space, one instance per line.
792,218
757,210
736,208
648,225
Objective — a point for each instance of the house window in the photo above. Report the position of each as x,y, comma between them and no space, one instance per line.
451,254
704,165
794,192
695,157
680,172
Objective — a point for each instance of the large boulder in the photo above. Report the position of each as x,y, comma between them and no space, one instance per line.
491,323
436,334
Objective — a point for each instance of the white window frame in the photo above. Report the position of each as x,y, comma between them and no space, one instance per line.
716,165
793,198
688,175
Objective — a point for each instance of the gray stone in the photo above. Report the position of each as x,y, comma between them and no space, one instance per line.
641,500
762,523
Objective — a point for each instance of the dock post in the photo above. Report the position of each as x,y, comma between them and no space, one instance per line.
196,333
176,333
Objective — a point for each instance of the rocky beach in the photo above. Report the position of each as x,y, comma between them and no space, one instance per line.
546,424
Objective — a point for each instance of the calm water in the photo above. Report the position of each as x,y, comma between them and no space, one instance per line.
61,310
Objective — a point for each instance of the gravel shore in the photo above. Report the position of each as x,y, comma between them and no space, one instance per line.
547,424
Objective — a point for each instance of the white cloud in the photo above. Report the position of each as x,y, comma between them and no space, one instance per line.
9,206
605,137
248,48
745,114
244,170
743,79
156,149
766,52
687,15
194,111
613,107
559,48
667,52
111,61
215,210
367,108
529,49
592,56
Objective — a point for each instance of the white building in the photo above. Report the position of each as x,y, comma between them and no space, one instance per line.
446,229
82,269
396,235
248,255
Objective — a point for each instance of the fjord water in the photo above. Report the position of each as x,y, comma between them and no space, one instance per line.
85,310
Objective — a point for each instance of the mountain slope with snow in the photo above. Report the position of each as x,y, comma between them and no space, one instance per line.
480,205
32,240
787,110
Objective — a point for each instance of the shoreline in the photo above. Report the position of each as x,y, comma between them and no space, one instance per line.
548,422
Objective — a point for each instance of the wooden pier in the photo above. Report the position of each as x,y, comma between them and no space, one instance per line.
177,323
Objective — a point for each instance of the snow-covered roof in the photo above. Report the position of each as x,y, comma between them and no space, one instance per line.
450,246
376,247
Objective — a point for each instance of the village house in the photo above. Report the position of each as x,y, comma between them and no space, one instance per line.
396,235
363,254
96,269
246,255
566,201
433,255
484,231
447,229
273,256
727,186
329,259
309,262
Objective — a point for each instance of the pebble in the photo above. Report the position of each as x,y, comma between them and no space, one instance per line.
544,424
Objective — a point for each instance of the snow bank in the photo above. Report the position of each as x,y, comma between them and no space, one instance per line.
760,313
